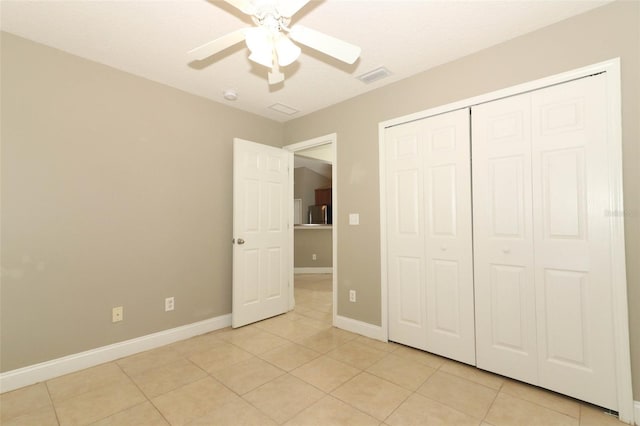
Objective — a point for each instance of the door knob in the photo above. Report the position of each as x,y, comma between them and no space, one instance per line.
240,241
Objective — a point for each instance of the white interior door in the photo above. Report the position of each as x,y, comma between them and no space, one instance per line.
503,238
429,235
261,258
572,241
406,257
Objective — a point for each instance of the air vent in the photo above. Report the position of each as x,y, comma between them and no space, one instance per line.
284,109
374,75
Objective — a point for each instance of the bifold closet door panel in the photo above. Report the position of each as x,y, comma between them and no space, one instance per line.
404,147
503,238
430,272
449,253
572,240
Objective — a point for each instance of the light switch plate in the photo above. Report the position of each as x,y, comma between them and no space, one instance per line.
354,219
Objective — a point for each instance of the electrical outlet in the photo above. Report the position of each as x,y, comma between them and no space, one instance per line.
352,295
169,304
314,257
117,314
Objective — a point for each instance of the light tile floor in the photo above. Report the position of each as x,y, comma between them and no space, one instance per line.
294,369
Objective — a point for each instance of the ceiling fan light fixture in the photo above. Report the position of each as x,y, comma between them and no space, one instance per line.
264,57
258,39
260,44
286,51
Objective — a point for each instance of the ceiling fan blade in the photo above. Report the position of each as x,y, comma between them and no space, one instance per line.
245,6
288,8
217,45
326,44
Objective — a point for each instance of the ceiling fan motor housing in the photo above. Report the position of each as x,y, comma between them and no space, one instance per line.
270,18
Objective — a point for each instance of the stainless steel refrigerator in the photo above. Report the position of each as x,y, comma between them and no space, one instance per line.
320,214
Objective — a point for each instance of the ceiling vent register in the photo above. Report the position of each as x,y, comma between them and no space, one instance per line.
374,75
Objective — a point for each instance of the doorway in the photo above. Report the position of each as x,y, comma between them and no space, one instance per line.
323,149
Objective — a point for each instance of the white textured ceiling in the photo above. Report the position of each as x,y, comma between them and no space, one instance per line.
150,38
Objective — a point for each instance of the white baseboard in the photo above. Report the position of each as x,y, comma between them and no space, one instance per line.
636,412
327,270
359,327
31,374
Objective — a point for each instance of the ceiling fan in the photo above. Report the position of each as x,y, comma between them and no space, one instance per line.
270,40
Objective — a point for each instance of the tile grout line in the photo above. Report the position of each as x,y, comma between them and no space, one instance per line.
484,419
143,394
565,397
399,405
348,403
439,369
53,405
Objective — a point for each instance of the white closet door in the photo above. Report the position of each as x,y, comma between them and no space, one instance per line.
503,245
449,257
430,269
541,240
572,249
405,235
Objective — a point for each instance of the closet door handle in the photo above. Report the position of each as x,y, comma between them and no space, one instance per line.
506,250
443,248
240,241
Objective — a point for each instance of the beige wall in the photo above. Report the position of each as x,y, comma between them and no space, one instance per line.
313,241
115,191
605,33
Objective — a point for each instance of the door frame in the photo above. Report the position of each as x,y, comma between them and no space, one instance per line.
299,146
611,69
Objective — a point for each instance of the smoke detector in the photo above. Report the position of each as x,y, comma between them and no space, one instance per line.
230,94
